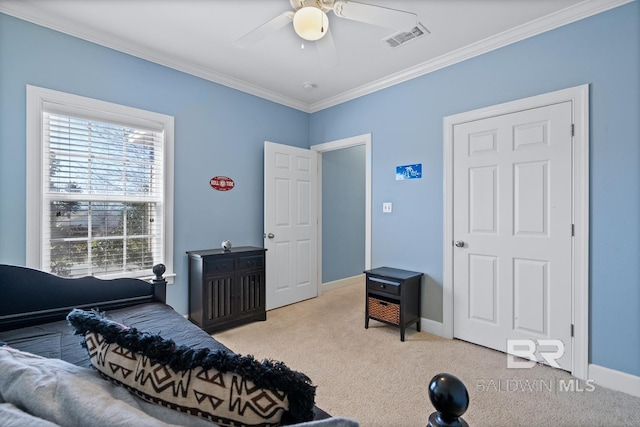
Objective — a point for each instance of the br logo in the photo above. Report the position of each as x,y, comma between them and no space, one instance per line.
548,350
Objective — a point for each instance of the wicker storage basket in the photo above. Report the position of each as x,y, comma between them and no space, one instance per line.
384,310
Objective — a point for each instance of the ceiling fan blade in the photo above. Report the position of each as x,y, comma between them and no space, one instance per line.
264,30
376,15
327,51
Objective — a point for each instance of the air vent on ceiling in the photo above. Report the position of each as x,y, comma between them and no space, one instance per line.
403,37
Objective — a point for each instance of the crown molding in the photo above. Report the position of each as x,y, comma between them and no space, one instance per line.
233,83
555,20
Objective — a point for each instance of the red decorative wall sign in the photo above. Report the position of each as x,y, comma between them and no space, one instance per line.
222,183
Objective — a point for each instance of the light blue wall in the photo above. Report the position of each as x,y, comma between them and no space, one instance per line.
218,131
406,125
343,213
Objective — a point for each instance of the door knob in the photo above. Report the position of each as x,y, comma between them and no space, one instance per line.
459,243
271,235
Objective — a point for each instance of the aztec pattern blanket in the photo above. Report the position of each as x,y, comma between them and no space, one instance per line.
37,391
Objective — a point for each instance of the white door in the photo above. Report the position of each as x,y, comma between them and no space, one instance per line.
512,229
290,224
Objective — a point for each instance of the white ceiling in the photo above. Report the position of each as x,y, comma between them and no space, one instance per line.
196,36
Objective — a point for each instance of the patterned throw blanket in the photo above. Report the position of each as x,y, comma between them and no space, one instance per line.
40,391
37,391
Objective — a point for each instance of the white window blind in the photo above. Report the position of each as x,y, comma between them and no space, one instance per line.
103,192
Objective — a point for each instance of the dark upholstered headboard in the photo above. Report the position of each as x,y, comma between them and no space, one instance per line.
30,297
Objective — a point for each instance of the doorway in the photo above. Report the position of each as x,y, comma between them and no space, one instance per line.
360,140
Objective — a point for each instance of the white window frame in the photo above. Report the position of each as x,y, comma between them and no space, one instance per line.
37,97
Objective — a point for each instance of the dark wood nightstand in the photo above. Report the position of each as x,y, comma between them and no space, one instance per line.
226,288
393,297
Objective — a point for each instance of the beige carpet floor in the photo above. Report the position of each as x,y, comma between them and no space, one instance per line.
370,375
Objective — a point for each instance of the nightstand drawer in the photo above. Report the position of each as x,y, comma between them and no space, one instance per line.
217,266
256,261
383,285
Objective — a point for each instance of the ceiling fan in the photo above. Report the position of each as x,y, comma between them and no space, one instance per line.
311,23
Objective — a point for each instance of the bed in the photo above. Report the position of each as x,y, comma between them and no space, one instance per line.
60,339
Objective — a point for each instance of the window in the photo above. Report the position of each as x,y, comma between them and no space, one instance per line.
99,187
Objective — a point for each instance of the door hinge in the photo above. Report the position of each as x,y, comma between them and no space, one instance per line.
573,230
573,129
572,330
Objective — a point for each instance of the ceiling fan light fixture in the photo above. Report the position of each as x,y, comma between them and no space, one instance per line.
310,23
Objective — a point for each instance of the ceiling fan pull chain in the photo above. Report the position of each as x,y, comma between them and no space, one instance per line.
320,16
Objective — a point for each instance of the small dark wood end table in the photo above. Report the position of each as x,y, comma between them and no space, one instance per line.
393,297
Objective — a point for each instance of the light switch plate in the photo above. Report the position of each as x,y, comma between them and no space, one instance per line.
387,207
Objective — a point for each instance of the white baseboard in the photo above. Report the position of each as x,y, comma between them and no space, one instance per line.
432,327
615,380
342,283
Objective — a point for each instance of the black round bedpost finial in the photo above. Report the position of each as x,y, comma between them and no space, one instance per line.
450,398
159,270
